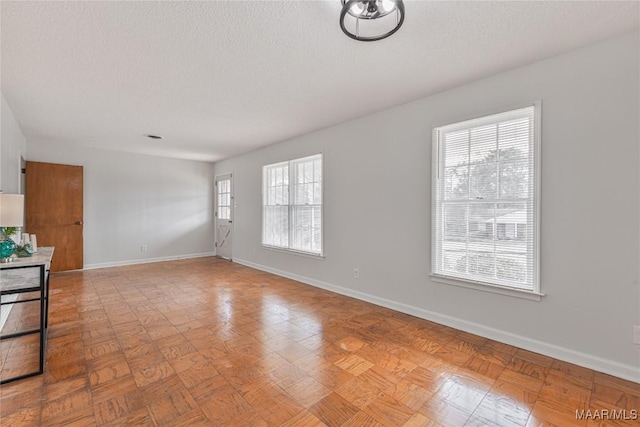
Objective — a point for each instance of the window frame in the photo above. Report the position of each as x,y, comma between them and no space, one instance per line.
290,206
438,188
223,207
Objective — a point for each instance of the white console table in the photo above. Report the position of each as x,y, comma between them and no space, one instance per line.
23,281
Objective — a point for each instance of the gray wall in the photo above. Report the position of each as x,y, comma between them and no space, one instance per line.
12,147
132,200
377,207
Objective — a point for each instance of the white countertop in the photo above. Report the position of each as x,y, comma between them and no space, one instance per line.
43,256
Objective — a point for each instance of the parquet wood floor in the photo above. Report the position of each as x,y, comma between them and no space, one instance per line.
211,343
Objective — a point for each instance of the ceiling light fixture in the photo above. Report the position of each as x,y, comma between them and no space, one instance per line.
154,136
371,20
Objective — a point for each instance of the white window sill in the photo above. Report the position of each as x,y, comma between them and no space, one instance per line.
293,252
512,292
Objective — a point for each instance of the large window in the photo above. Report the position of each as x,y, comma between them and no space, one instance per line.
292,205
485,200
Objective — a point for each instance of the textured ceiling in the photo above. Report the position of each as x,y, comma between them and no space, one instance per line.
220,78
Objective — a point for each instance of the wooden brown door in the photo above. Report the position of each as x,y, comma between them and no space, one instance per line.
54,213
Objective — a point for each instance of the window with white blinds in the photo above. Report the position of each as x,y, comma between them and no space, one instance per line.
292,205
485,200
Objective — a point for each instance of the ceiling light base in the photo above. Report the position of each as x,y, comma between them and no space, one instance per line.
382,17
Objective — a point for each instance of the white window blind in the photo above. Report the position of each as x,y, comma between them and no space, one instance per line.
485,200
292,205
275,227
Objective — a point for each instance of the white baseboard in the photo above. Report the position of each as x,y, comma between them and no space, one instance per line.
627,372
145,260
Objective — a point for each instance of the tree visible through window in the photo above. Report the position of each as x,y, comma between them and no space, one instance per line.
292,205
485,200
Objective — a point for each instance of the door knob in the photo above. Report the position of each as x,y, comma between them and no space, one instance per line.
78,222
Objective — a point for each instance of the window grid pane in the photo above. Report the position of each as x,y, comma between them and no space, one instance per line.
224,199
275,226
484,206
292,214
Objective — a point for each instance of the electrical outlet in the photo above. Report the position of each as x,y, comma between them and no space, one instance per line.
636,335
143,248
356,273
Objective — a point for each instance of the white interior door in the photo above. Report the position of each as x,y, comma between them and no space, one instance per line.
224,215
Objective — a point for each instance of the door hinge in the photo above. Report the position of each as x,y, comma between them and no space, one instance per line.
216,214
216,244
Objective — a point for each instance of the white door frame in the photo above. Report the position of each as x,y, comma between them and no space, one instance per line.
217,210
